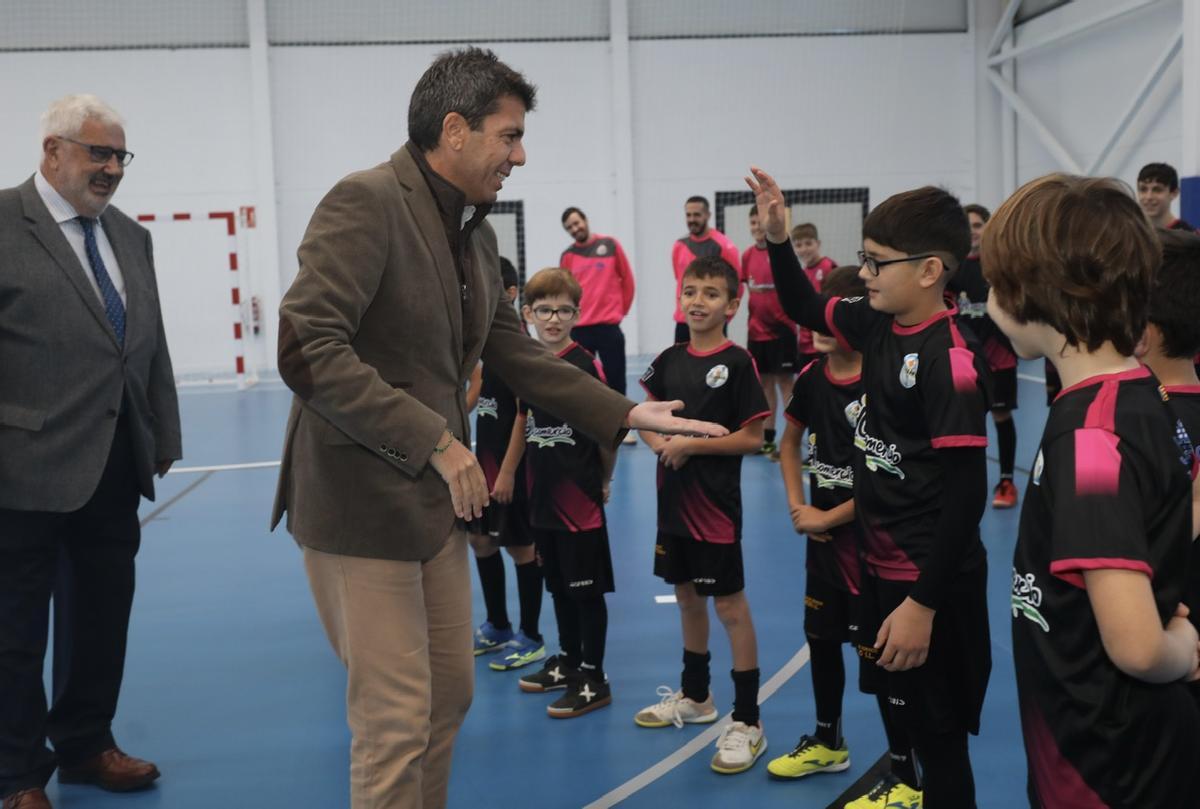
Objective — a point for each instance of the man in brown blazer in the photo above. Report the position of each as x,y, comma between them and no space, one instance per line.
397,298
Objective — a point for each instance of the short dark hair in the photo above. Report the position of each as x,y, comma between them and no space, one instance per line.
977,209
805,230
1175,294
924,220
1160,173
572,210
550,282
697,198
753,212
843,282
714,267
469,81
508,274
1077,254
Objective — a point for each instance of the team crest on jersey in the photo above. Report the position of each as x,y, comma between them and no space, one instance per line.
854,411
602,249
855,299
717,376
1027,599
487,407
1039,465
966,308
908,370
543,437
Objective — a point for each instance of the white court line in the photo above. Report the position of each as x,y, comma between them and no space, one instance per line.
664,600
647,777
229,467
1032,378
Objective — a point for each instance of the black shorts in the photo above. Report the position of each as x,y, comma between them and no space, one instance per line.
508,523
1004,388
945,695
715,568
776,356
575,563
830,613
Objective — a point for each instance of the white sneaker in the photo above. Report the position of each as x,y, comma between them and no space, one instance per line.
675,709
738,748
630,438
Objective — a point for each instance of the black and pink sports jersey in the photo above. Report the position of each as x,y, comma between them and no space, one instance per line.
1109,490
563,471
600,267
1180,224
767,320
924,389
687,249
969,290
1185,402
828,408
703,500
494,417
816,274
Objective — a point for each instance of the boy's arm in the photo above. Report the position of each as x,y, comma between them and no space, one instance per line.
904,635
1131,631
806,519
675,453
474,385
507,476
608,462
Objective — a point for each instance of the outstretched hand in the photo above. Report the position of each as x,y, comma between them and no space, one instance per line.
658,417
772,209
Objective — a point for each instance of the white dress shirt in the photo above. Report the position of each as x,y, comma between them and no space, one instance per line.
65,215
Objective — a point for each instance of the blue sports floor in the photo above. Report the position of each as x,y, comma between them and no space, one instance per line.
233,690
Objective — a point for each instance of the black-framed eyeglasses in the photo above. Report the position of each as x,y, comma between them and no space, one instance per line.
102,154
873,264
565,313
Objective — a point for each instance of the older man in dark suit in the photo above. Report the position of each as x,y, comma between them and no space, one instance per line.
398,297
88,414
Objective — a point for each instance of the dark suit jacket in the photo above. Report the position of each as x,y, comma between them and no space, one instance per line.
372,341
63,377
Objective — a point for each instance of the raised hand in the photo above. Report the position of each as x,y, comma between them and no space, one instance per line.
772,209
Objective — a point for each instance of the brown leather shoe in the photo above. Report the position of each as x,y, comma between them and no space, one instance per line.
27,799
111,770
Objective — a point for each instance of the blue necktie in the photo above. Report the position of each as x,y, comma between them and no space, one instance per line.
113,308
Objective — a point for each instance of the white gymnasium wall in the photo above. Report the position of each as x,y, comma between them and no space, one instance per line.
1080,87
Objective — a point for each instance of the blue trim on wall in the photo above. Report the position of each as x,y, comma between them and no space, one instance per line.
1189,200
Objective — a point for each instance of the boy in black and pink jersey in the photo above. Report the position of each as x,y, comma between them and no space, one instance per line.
698,549
825,402
701,241
970,289
1172,339
1101,641
567,483
920,480
771,336
505,521
807,244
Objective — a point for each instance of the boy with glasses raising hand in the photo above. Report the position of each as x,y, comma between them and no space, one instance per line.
567,475
920,482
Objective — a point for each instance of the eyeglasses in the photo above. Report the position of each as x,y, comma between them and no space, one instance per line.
873,264
102,154
565,313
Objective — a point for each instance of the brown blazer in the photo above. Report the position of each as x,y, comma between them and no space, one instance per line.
372,342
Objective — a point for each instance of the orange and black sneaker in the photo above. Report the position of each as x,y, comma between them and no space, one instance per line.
1005,494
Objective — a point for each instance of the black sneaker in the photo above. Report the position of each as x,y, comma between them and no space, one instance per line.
583,696
553,676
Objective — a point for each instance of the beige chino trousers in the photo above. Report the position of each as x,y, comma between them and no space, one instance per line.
403,631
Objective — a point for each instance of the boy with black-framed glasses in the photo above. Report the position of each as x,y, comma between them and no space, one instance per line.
920,480
567,479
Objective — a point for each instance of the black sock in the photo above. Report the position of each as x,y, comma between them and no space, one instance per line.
745,696
529,593
1006,446
696,678
593,628
491,581
769,435
829,681
946,778
566,611
904,765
